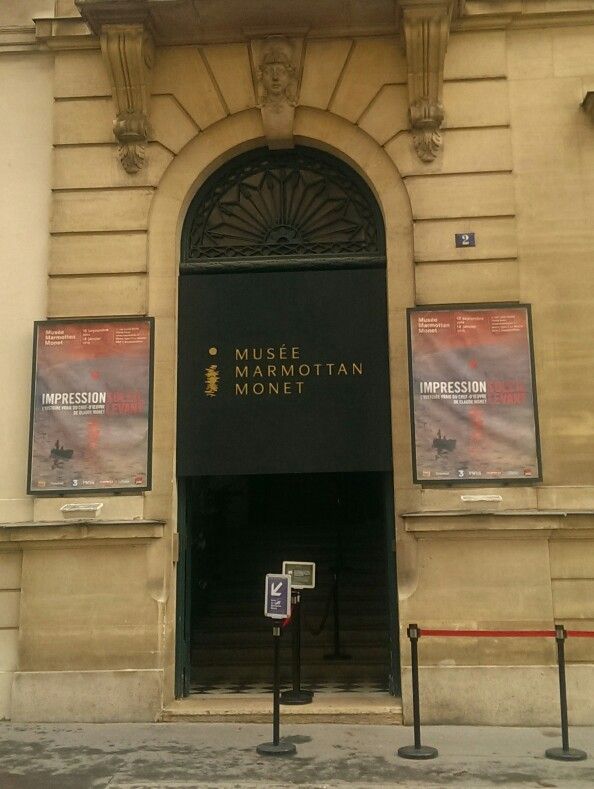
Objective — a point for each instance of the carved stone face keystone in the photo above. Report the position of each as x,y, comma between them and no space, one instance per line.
276,78
276,75
276,71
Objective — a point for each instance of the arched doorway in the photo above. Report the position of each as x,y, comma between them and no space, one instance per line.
284,440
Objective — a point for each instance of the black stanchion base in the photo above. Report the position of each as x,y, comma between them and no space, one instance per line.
296,697
340,656
283,748
422,752
570,755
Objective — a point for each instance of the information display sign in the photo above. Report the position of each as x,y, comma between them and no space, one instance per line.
283,372
303,574
473,395
277,596
91,406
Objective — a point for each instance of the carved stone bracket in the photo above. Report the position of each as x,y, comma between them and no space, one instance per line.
426,26
128,52
277,71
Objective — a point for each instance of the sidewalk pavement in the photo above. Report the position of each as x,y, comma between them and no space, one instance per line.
204,755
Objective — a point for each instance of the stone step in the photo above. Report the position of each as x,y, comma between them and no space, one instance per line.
328,671
215,655
221,617
241,599
246,623
249,637
352,708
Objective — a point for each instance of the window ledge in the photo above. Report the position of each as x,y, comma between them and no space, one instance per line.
84,530
499,520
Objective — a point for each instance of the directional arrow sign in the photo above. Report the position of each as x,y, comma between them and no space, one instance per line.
277,598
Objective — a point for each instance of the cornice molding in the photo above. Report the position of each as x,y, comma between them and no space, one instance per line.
503,14
190,21
17,39
98,13
176,22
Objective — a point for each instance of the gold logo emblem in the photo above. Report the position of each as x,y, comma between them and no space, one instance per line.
211,378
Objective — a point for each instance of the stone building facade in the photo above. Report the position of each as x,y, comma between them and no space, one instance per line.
459,116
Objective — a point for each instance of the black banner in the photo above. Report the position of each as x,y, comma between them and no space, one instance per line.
283,373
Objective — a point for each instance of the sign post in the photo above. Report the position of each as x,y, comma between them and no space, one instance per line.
416,751
303,576
338,654
277,605
565,753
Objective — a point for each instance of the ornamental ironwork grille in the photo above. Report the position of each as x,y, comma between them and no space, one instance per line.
280,210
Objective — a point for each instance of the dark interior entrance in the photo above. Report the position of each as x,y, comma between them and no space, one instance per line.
240,528
284,437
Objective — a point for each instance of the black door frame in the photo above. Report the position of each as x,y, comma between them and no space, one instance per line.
392,573
183,607
197,257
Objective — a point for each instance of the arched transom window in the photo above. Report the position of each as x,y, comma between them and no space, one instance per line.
276,210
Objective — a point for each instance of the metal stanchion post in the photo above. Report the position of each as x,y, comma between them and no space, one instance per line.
276,747
337,654
565,753
296,695
416,751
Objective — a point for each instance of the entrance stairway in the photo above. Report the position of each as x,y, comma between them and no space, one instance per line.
232,640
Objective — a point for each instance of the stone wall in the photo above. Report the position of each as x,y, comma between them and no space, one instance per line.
24,223
553,148
10,592
194,87
513,169
537,570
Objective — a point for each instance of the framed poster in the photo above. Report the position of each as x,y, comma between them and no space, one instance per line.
473,394
91,406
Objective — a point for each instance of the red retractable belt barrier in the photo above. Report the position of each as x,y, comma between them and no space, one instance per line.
560,634
504,633
489,633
